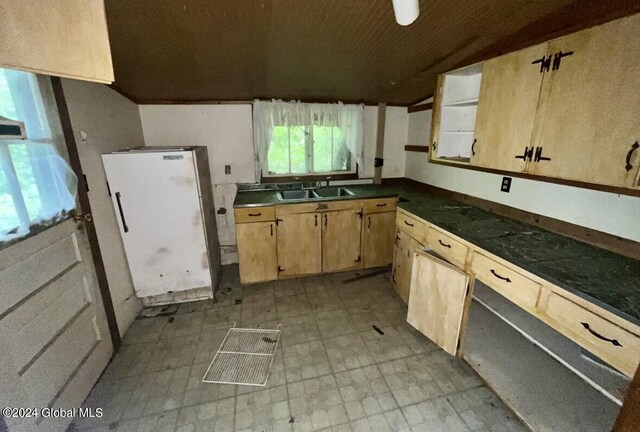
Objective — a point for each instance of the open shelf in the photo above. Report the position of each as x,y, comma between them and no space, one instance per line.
541,390
603,378
458,105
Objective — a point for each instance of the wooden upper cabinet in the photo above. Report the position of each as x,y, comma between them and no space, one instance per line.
257,253
438,300
65,38
299,239
589,113
507,109
341,240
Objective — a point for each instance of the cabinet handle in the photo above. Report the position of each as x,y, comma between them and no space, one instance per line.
545,63
316,218
124,222
369,223
271,226
473,147
528,153
255,214
557,58
280,269
381,205
633,148
326,219
444,244
538,157
393,276
407,223
433,146
506,279
614,342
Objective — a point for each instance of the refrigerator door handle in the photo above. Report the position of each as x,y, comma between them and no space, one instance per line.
124,222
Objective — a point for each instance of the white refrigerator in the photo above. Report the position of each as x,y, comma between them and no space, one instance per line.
163,200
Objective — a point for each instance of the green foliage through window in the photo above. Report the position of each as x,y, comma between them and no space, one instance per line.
308,150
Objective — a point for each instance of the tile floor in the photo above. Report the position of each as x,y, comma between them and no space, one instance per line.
332,371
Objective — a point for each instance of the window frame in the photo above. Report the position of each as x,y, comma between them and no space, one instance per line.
40,91
312,175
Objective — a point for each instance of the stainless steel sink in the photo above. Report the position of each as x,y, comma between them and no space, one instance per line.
327,192
296,194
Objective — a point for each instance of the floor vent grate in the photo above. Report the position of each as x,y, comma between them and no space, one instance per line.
244,357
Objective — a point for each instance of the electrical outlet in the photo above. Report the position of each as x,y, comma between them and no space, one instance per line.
227,169
506,184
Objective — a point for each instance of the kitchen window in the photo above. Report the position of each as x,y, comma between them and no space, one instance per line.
296,139
37,187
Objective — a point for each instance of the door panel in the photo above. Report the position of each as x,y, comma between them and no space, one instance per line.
257,251
52,324
377,239
165,253
299,239
437,300
341,240
507,109
589,106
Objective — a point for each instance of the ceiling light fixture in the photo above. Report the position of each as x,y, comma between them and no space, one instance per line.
406,11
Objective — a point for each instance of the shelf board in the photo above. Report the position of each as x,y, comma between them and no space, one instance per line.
461,103
601,377
538,388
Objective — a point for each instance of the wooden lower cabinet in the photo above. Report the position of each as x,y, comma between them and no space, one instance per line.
402,263
438,300
257,254
378,231
341,240
299,244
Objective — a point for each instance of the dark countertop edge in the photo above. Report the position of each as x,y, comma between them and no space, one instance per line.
551,280
310,200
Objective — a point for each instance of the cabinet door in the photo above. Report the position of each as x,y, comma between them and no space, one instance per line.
507,109
341,240
403,262
299,239
438,300
62,38
590,106
257,253
377,239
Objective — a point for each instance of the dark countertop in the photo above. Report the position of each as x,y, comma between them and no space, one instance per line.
605,278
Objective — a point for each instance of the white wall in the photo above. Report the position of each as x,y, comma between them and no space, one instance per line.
111,122
227,132
611,213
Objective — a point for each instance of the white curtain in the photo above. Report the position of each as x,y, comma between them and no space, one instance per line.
267,114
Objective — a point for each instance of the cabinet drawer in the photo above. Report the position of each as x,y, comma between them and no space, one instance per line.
518,288
414,227
608,341
255,214
379,205
450,249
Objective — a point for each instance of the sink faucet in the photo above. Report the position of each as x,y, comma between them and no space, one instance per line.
328,178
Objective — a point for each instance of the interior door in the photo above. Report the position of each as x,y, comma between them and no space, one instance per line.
437,300
589,106
157,204
257,252
299,240
341,240
507,106
378,231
